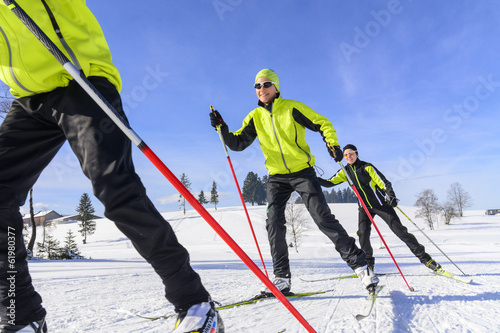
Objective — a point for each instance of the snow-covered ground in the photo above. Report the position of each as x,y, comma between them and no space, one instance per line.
106,292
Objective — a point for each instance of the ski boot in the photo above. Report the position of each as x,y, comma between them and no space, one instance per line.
202,317
433,265
39,326
367,277
283,284
371,263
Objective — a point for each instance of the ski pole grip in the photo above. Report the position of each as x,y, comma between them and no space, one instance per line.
218,126
35,30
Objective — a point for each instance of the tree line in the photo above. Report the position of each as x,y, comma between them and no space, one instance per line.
254,192
345,195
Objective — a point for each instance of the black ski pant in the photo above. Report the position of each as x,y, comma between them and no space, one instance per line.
306,183
31,134
388,214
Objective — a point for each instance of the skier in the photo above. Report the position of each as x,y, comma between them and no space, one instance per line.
280,125
51,109
379,197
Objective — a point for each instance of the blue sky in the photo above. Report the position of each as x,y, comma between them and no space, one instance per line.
415,85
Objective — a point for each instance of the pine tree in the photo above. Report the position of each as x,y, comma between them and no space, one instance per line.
86,217
70,249
251,186
201,198
328,196
52,248
351,196
187,184
214,196
338,196
260,195
41,250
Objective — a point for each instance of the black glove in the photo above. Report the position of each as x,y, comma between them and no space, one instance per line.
216,119
335,152
325,183
393,201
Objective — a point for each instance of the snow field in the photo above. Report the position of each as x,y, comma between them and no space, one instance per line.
107,292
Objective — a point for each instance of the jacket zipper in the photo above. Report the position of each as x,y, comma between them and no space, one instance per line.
356,175
279,145
60,36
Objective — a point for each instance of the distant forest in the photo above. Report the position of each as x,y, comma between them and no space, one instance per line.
345,195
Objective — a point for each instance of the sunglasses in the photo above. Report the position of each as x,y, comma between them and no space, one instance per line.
350,154
266,84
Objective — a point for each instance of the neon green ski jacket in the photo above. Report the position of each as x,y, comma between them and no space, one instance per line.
281,135
28,68
368,180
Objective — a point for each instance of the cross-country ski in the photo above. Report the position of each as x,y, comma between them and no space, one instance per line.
372,297
342,277
450,275
259,297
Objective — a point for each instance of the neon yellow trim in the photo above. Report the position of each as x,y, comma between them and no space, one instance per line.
361,188
11,6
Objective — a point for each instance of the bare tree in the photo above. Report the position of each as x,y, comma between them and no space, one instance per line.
31,244
5,99
427,201
459,197
449,212
295,220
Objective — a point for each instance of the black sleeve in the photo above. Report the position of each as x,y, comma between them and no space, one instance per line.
387,183
242,140
325,183
304,121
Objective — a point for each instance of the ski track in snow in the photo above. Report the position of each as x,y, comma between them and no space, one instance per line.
107,292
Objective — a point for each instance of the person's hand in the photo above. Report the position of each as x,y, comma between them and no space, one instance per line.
335,152
393,201
325,183
216,119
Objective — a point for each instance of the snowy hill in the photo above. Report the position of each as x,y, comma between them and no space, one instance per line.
104,294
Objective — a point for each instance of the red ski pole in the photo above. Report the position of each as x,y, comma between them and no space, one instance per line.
120,122
349,180
241,196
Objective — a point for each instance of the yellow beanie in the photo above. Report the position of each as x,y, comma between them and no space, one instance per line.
271,75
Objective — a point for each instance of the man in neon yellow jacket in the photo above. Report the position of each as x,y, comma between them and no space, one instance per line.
280,125
51,109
